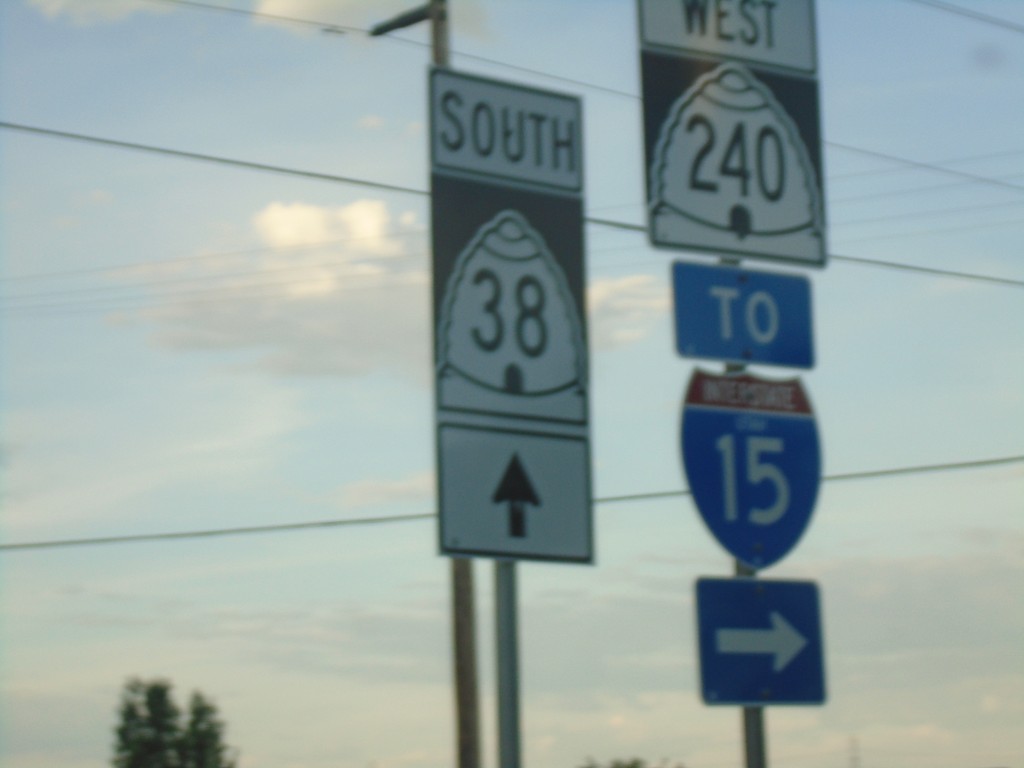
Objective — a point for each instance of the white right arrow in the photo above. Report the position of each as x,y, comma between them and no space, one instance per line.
781,641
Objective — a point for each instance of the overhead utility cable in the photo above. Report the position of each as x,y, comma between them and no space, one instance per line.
941,163
856,260
208,158
321,25
350,522
327,26
91,139
421,192
996,21
929,167
332,27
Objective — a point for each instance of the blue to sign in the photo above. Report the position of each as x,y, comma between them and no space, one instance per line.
739,316
752,461
760,642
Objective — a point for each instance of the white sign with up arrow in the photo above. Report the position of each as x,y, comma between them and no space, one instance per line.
510,493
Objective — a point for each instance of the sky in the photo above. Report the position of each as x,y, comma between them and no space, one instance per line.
191,345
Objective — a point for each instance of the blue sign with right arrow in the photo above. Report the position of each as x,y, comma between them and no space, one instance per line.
760,642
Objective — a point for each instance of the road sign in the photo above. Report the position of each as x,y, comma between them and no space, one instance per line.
760,642
752,461
741,316
732,128
514,493
511,367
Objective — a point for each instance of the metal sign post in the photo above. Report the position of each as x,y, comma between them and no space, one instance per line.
507,633
755,740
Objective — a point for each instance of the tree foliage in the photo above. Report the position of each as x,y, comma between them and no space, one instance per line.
632,762
202,741
150,732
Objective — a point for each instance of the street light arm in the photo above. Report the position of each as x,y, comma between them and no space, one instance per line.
401,21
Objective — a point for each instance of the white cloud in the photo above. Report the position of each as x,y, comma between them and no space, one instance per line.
365,223
347,321
469,19
211,431
418,486
340,290
93,11
337,293
356,12
624,310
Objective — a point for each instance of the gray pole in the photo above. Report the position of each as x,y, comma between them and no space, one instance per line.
507,632
467,709
754,741
439,32
467,706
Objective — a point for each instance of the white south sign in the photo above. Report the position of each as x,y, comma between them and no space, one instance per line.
511,375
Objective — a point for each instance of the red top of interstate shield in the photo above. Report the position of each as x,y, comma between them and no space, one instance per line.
748,392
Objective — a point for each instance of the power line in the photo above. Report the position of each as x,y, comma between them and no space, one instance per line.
16,302
321,25
933,231
159,283
996,21
973,177
925,214
111,269
936,4
215,294
875,196
924,469
992,279
327,26
351,522
421,192
947,161
209,158
855,260
217,532
271,289
91,139
332,27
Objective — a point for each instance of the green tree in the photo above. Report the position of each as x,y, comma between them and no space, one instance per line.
202,741
150,734
633,762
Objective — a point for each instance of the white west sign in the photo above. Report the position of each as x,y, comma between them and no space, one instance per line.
731,125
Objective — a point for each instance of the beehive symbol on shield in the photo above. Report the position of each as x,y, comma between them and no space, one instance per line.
730,172
509,335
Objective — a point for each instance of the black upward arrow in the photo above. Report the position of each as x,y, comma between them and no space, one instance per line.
515,488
